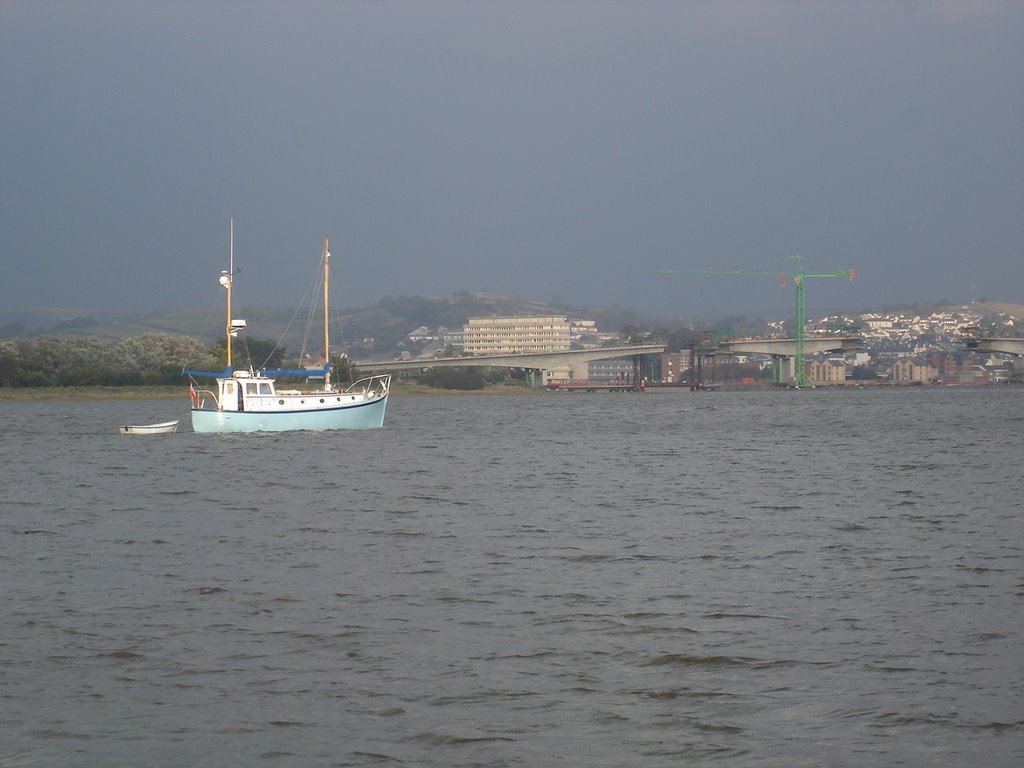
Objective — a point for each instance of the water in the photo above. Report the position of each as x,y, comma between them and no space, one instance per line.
737,579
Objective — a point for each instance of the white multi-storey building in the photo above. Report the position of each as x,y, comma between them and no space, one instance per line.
515,335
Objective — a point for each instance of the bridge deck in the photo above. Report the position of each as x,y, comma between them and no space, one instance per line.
538,360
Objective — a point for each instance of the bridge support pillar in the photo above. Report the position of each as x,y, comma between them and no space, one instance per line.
783,369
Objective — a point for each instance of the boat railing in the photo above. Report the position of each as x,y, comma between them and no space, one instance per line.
199,399
377,385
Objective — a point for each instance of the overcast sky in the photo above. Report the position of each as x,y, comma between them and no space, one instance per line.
528,148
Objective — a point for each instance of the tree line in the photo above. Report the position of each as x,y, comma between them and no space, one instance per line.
149,359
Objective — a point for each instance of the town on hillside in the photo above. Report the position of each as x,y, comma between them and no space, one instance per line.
899,347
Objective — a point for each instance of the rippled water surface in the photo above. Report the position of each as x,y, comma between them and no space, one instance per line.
738,579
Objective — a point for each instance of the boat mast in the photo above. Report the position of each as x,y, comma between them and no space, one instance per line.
226,280
327,339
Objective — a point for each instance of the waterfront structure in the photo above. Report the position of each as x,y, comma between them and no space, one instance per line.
673,365
826,372
516,335
913,371
560,375
611,370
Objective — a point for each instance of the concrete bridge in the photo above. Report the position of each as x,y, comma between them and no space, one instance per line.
575,360
1008,346
783,351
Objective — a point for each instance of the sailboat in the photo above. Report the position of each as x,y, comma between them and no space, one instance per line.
249,401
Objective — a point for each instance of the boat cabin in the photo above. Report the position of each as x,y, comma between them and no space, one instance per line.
243,386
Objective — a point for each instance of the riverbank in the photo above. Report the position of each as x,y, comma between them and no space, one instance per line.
36,394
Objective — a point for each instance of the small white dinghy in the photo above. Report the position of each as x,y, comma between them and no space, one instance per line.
163,428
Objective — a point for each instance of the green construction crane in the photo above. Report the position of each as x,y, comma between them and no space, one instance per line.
800,375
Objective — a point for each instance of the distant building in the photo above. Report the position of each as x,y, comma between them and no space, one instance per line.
583,333
516,335
451,338
673,364
559,375
912,371
828,372
442,337
613,370
420,334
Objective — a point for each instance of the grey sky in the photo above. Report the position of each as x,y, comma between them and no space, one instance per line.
529,148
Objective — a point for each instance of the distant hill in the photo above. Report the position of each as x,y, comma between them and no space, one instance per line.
995,307
368,331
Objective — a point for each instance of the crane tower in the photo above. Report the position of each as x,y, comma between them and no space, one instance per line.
798,277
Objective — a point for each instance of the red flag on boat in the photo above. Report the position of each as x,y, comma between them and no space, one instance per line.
194,396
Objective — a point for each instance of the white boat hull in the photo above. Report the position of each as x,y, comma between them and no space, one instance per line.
164,428
359,415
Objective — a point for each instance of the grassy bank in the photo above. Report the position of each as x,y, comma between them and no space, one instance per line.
35,394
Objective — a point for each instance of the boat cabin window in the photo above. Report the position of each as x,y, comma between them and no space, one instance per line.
229,388
250,388
265,388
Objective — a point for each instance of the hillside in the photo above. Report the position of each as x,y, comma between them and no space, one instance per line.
367,331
